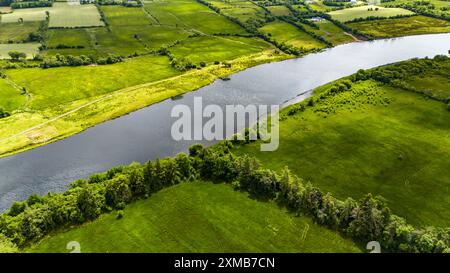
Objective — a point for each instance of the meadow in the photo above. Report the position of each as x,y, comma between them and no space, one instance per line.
17,32
415,25
70,16
30,49
218,218
283,32
348,14
242,10
374,138
56,86
10,98
330,32
28,15
279,10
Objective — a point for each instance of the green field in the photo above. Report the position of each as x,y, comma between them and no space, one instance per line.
415,25
200,217
438,4
330,32
52,87
190,15
30,49
17,32
10,98
377,139
283,32
348,14
279,10
28,15
210,49
242,10
65,15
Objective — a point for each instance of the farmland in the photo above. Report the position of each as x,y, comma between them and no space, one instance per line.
388,140
415,25
17,32
29,49
69,16
330,32
350,14
283,32
10,98
27,15
215,215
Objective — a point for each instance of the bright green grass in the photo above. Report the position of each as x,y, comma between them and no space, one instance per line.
318,5
30,49
10,98
55,86
65,15
242,10
279,10
398,150
123,16
402,27
210,49
190,14
345,15
200,217
330,32
17,32
437,3
28,15
283,32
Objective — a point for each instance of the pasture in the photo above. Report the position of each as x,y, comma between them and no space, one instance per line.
377,139
415,25
200,217
242,10
283,32
27,15
17,32
348,14
30,49
279,10
330,32
210,49
10,98
56,86
71,16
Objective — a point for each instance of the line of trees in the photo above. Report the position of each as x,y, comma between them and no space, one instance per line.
31,4
69,60
365,220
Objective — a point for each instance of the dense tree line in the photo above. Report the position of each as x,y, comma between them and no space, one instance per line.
364,220
424,8
31,4
373,18
118,3
69,60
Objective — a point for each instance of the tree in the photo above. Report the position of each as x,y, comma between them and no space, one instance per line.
16,55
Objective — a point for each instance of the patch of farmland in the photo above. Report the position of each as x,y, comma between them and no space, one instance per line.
283,32
63,15
279,10
30,49
17,32
242,10
27,15
191,15
124,16
345,15
10,97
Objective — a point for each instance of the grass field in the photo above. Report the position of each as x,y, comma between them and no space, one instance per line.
200,217
398,150
438,4
28,15
415,25
242,10
279,10
330,32
345,15
190,14
17,32
51,87
283,32
210,49
10,98
30,49
65,15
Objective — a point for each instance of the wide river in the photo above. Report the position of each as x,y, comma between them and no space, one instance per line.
146,134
